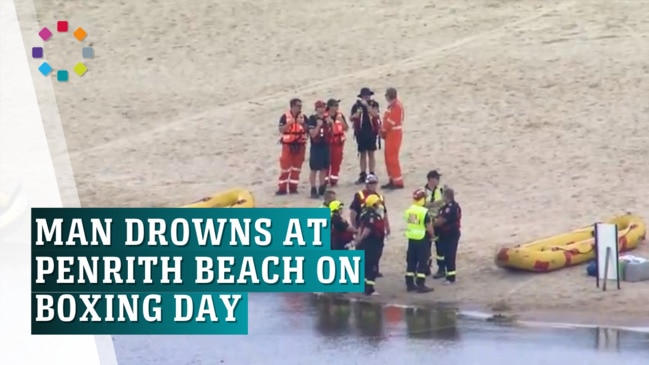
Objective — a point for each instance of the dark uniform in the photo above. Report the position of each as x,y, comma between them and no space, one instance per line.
372,245
449,236
340,234
366,130
358,206
418,254
319,156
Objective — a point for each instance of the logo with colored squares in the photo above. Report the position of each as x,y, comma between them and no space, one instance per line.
62,74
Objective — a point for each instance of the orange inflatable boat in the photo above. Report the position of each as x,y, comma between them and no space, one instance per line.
233,198
569,249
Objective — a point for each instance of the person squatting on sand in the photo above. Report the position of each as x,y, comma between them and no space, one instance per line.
359,203
342,233
371,238
391,131
419,232
320,127
329,196
367,125
434,201
339,128
447,226
293,140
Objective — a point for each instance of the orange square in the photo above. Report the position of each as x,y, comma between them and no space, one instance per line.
80,34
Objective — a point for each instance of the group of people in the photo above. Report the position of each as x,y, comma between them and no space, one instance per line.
434,216
325,132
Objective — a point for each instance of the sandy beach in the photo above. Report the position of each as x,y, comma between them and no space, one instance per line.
534,111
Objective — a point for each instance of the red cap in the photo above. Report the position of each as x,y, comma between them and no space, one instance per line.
320,104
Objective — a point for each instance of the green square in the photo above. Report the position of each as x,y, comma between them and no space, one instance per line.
62,76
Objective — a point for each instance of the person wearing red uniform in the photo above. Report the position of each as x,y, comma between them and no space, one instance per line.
393,134
337,147
292,128
320,134
358,205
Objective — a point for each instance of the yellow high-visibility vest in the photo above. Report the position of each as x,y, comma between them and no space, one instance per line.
415,217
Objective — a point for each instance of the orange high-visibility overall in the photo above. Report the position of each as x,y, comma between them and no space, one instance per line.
293,152
393,134
337,147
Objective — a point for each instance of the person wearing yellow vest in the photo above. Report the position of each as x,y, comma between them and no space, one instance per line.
419,230
329,196
434,201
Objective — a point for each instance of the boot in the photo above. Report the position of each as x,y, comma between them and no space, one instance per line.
369,289
361,178
421,286
314,193
280,192
322,189
439,274
388,186
410,283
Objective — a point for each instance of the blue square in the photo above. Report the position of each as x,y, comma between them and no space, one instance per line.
88,52
37,52
45,68
62,76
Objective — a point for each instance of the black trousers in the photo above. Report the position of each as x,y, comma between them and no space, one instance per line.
378,261
373,248
448,243
417,258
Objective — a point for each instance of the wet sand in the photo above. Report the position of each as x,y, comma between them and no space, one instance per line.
534,111
324,331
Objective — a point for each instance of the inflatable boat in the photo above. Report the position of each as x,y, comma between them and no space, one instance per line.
569,249
234,198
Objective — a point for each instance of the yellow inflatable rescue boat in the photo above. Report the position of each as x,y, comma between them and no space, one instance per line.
569,249
234,198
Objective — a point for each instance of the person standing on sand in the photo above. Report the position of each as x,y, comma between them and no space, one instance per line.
371,239
434,200
419,231
447,224
391,131
340,127
292,128
320,134
358,205
367,124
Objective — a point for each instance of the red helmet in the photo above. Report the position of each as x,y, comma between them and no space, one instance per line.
418,194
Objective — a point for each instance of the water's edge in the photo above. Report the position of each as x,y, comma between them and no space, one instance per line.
565,320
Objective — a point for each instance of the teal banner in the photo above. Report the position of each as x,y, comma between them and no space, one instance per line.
139,314
70,269
177,270
269,228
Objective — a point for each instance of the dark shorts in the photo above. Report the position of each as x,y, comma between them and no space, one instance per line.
366,141
319,158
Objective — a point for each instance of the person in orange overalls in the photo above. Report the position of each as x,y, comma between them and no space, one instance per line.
337,145
292,127
393,134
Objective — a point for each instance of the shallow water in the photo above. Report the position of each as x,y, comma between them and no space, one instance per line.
301,329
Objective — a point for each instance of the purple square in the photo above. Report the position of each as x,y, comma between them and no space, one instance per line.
45,34
37,52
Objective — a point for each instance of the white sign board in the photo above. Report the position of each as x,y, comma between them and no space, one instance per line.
607,255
